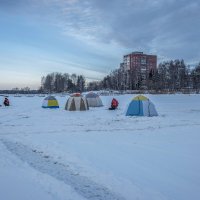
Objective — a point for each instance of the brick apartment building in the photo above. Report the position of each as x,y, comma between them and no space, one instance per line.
140,66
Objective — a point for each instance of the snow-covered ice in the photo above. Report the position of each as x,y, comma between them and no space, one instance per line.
122,157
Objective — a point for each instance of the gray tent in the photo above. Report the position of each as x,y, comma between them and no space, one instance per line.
93,100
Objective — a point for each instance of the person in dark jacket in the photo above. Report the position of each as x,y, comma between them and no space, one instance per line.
114,104
6,102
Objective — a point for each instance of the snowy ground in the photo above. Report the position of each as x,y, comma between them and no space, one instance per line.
100,154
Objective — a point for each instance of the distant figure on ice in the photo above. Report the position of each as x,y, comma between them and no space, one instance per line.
114,104
6,102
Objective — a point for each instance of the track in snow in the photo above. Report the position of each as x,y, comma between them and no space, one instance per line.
81,184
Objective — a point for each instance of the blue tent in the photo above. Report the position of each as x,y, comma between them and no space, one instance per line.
141,106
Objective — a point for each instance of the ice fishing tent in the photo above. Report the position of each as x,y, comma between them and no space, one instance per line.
141,106
77,102
50,102
93,100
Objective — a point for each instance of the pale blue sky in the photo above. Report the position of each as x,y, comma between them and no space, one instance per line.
90,37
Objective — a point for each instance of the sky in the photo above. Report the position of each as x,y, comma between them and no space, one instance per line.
90,37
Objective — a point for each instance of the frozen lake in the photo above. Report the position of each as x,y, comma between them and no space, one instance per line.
101,154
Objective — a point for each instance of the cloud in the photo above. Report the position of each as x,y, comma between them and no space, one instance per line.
168,28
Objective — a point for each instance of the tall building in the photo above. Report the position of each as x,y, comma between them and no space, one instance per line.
140,66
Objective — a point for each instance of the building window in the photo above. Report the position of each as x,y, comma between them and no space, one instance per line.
143,61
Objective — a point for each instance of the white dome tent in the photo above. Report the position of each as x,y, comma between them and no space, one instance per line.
76,102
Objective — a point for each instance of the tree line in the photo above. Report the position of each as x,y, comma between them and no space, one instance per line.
62,82
16,90
173,75
169,76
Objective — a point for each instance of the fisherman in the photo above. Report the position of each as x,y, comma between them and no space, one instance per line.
114,104
6,102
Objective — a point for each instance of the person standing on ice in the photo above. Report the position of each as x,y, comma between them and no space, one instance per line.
6,102
114,104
